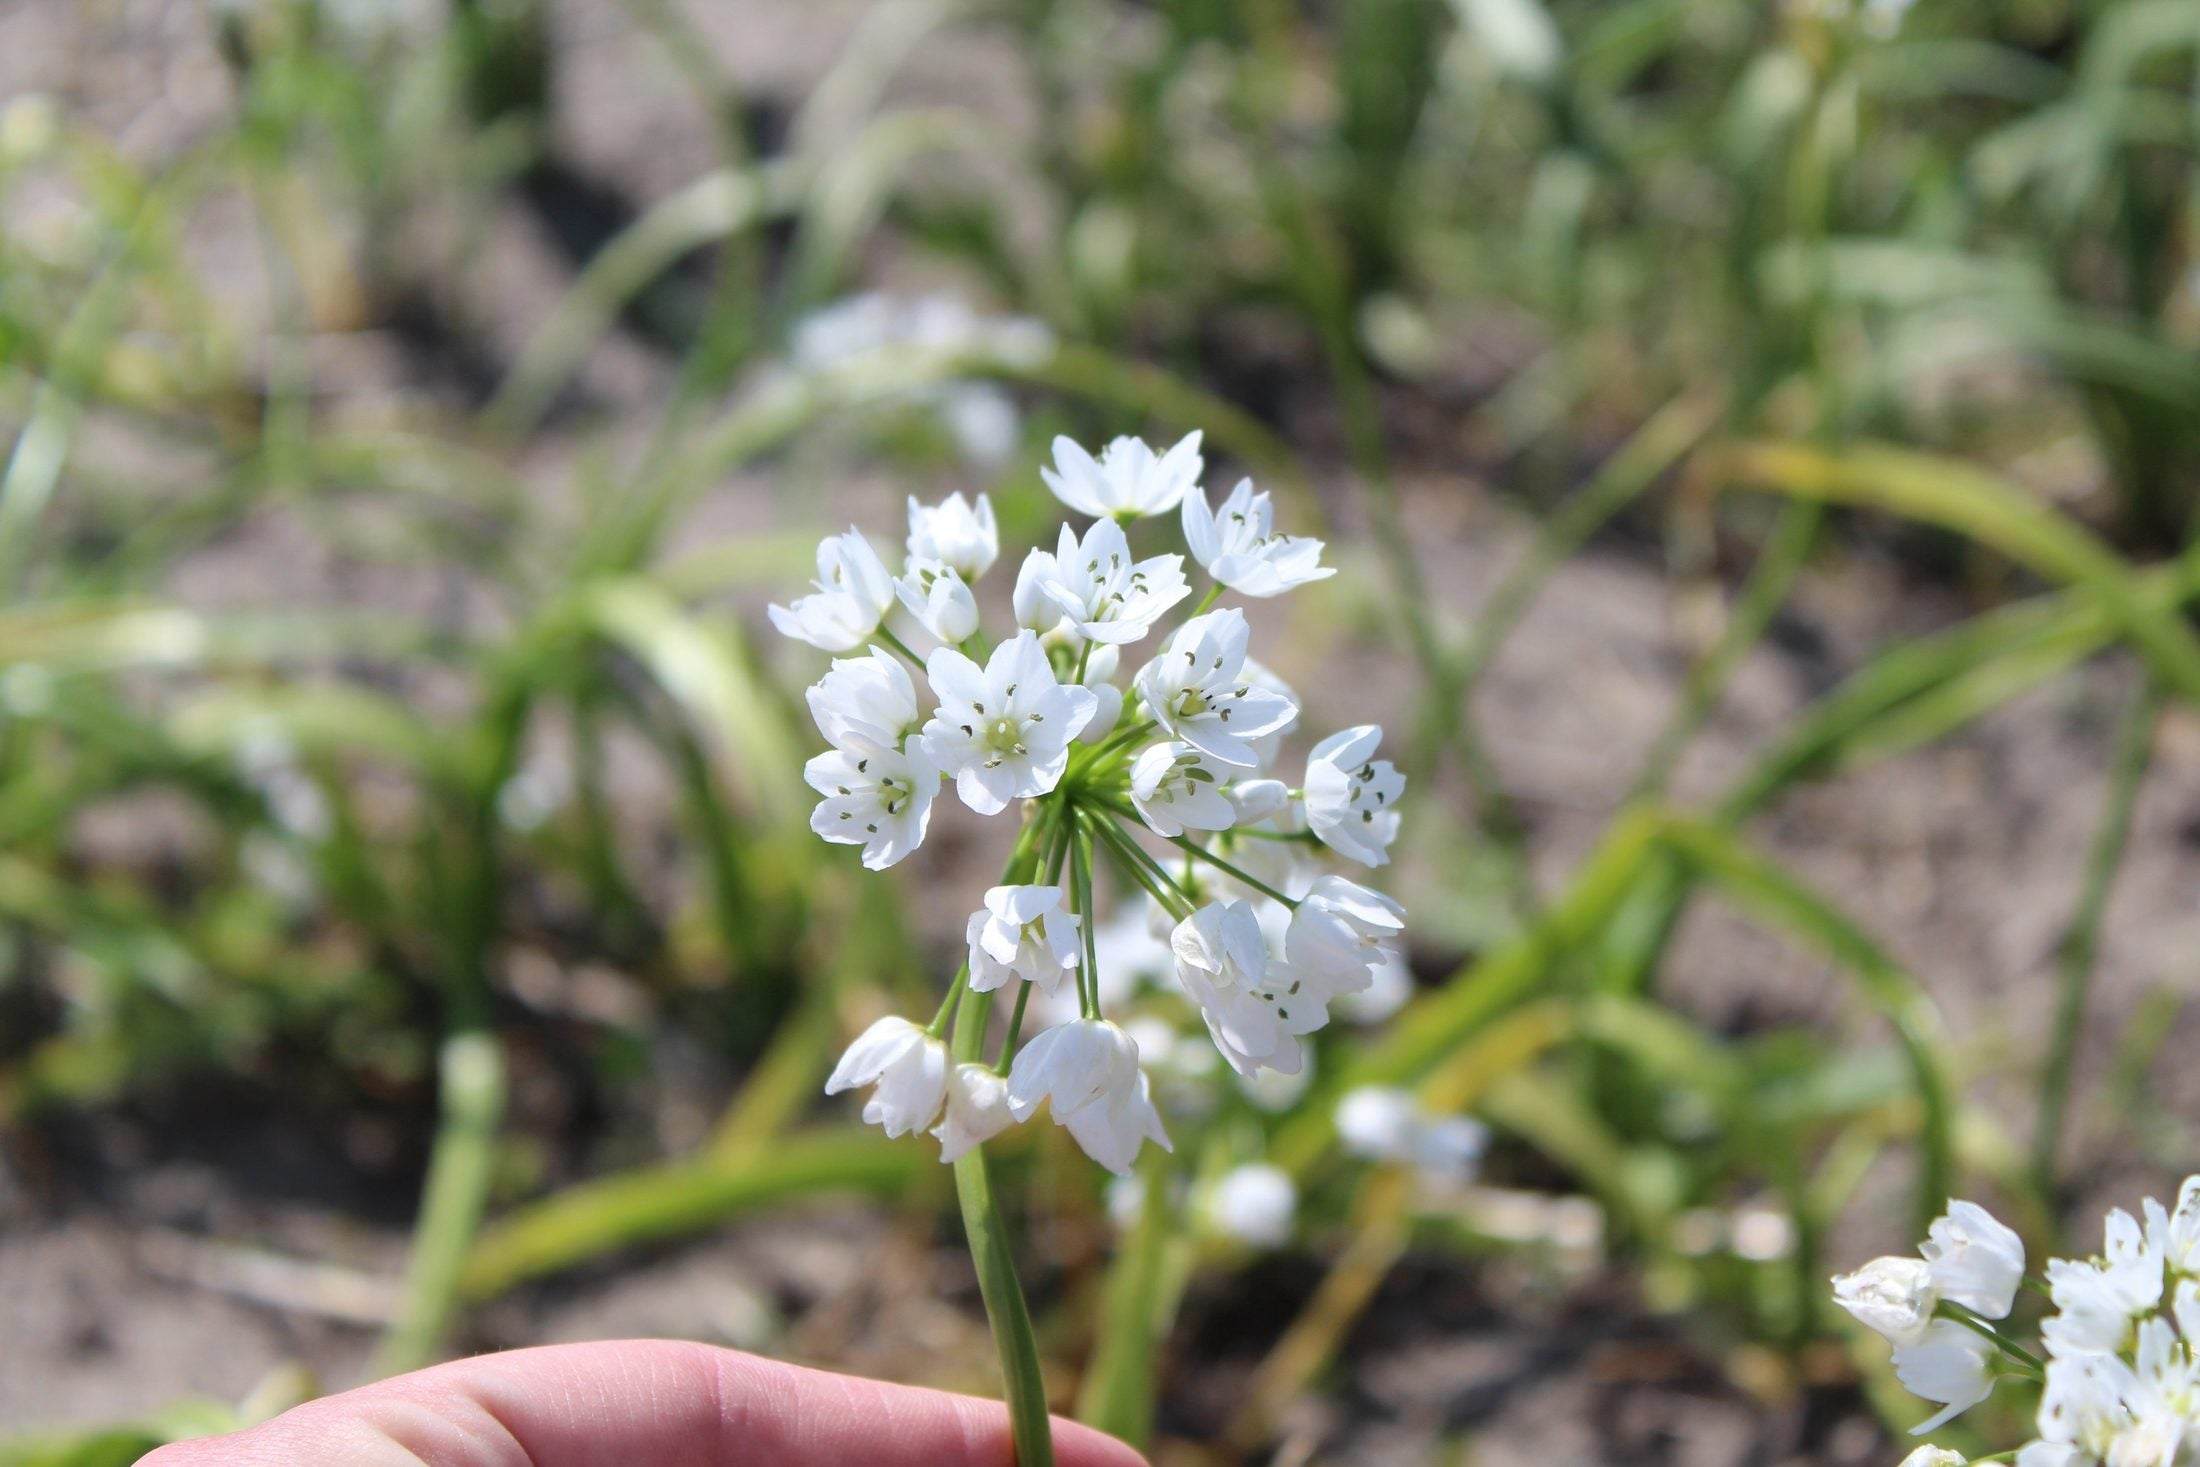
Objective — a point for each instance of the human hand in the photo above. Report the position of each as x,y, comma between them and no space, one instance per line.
635,1403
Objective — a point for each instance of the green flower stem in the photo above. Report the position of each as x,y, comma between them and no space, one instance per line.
1030,1425
1143,868
1206,602
886,635
1080,875
1202,853
1980,1326
1015,1030
938,1026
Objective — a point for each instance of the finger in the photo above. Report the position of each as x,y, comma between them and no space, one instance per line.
659,1402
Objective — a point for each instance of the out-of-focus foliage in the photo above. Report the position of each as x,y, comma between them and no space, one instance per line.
1652,251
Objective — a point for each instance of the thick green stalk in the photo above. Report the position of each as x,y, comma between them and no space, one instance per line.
471,1070
1030,1424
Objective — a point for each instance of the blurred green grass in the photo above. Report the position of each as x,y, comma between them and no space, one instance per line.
1926,279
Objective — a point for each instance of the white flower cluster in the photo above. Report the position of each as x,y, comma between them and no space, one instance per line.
2120,1384
1099,767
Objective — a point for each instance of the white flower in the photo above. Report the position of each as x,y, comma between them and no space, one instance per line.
1024,932
1269,745
2096,1301
1255,800
854,593
1976,1261
1934,1457
1377,1122
1893,1296
875,797
2086,1405
1340,926
2051,1454
1112,1126
1104,594
1351,797
1195,689
1239,547
1127,480
1448,1149
1949,1365
1003,732
1222,963
1254,1204
956,533
1177,788
977,1110
908,1066
1071,1065
935,594
865,700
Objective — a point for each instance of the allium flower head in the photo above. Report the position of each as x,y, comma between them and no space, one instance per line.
1352,797
1195,689
1238,544
854,593
909,1069
1002,732
1129,480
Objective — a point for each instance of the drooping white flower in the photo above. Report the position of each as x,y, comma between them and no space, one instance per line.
909,1069
1976,1261
1127,480
1893,1296
1002,732
1024,932
854,593
1342,926
1239,547
955,532
977,1110
1352,797
1222,963
1949,1365
1255,1204
935,594
1934,1457
876,797
1102,593
1256,1006
1071,1065
865,700
1177,788
1113,1125
1195,689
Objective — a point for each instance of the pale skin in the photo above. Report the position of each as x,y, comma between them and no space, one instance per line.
625,1403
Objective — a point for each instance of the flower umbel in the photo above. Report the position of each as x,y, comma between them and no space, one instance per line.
1166,779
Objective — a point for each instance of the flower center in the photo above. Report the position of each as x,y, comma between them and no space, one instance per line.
1005,735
